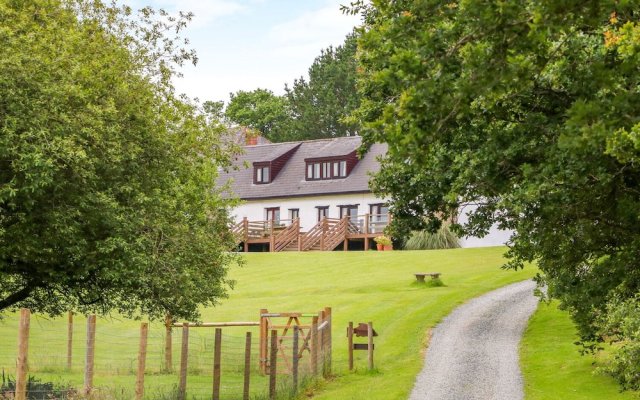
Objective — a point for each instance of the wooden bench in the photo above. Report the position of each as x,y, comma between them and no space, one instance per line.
420,275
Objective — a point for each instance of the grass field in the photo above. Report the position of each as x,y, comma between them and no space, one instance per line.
552,367
359,286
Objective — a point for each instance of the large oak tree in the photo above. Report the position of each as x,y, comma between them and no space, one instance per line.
106,176
531,110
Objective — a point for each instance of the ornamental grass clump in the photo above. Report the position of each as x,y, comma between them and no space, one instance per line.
444,238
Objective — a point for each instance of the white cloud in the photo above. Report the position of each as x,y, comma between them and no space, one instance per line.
205,11
326,25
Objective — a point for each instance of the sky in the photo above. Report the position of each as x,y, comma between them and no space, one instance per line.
249,44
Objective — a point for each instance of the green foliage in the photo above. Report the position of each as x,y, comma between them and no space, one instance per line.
36,389
444,238
312,108
263,111
383,240
621,325
527,109
320,104
106,199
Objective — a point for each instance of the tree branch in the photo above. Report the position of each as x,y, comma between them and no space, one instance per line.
16,297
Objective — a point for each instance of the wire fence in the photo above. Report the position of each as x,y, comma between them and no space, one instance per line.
121,359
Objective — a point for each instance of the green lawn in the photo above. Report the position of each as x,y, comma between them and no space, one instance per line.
553,368
359,286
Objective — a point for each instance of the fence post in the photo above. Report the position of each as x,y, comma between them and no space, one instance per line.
142,360
217,351
245,233
247,366
294,361
69,339
273,364
324,230
23,352
366,231
350,344
314,346
370,346
321,339
168,339
272,238
263,341
184,359
328,335
88,364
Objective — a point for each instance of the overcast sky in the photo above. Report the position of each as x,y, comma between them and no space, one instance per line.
246,44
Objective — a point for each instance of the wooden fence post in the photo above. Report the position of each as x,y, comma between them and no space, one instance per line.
263,341
245,233
370,350
89,359
142,360
366,231
321,339
328,334
69,339
247,366
273,364
23,352
294,361
217,351
272,238
314,346
184,359
350,344
168,339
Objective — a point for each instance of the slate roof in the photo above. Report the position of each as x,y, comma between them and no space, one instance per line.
291,181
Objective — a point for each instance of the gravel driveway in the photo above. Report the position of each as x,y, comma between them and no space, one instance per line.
473,353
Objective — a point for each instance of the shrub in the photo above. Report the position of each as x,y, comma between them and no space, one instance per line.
36,389
444,238
621,325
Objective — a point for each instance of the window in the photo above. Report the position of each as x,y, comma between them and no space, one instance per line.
350,211
379,212
272,214
262,175
294,213
379,217
326,170
323,212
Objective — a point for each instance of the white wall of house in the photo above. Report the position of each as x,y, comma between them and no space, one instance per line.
495,237
256,210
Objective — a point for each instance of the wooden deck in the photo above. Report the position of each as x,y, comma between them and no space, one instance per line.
326,235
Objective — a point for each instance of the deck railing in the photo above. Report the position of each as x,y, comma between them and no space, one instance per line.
325,235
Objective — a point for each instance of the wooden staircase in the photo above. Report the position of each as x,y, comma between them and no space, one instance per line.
288,238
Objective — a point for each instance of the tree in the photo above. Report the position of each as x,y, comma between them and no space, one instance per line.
106,177
529,109
263,111
320,104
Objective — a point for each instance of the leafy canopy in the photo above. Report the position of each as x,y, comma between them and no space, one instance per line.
106,198
312,108
529,109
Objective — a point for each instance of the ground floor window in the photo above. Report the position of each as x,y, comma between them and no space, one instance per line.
323,212
350,211
294,213
272,214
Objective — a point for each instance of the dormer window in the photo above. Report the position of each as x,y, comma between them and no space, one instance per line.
330,169
262,175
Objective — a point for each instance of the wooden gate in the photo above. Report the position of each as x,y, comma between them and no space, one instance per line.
314,337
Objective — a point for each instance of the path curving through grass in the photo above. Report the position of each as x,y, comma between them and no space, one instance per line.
473,353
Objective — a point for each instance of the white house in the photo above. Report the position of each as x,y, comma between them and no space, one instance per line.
304,184
312,195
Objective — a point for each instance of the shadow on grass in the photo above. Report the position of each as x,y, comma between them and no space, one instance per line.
430,283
